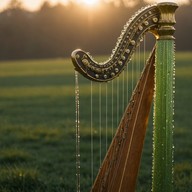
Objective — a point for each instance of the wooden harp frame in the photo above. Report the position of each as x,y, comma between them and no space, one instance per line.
119,169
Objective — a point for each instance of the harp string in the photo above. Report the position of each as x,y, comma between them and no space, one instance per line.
100,124
112,110
117,107
106,116
144,48
127,83
123,90
139,61
92,154
77,132
132,72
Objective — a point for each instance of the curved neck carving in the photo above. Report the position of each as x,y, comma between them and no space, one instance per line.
143,21
158,19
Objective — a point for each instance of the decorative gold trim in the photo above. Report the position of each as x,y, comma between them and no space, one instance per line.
167,20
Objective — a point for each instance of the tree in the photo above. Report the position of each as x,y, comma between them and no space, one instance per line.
15,4
46,5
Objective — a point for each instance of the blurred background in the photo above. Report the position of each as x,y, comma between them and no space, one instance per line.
37,96
51,29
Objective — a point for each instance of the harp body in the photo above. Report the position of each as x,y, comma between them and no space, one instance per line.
119,170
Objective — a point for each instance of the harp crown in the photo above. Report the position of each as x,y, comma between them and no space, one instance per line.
167,20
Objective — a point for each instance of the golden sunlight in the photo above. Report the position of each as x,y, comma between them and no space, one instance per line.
35,4
90,2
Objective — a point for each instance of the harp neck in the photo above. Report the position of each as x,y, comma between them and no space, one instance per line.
143,21
158,19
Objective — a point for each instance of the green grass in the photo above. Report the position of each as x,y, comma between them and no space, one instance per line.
37,128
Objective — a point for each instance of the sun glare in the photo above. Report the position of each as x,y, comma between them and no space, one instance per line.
35,4
90,2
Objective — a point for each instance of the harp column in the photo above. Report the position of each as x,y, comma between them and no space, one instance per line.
162,180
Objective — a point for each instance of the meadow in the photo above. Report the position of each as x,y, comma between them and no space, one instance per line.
37,128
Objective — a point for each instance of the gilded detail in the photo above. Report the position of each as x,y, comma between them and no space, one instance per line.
167,20
132,34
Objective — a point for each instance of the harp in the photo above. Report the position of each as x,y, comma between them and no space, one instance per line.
119,170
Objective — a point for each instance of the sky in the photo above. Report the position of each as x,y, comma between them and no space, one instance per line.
34,4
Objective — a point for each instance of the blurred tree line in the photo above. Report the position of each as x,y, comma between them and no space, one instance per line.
55,31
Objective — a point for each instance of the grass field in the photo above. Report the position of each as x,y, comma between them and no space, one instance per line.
37,128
